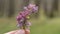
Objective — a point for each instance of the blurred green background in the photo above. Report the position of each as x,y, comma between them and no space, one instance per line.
45,21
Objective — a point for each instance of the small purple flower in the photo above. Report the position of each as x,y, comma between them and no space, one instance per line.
25,8
19,17
31,7
35,9
27,11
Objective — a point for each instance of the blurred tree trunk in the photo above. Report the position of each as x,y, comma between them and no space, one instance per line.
59,7
6,8
50,6
32,1
56,5
2,4
19,4
11,8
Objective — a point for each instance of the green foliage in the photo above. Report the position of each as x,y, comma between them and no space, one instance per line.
40,26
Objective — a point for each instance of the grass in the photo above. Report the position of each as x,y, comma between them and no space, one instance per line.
42,25
45,26
51,26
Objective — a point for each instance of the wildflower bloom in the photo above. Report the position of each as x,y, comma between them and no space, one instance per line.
24,15
31,5
32,8
25,8
35,9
